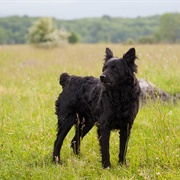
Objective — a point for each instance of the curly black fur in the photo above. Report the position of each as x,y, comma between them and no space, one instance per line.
111,102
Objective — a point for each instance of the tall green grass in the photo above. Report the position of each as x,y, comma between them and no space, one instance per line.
28,88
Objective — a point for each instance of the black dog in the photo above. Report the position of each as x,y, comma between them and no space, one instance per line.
112,102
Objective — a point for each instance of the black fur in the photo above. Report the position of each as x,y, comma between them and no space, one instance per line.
112,101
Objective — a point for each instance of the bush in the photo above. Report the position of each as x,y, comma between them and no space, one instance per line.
73,38
44,34
147,40
129,41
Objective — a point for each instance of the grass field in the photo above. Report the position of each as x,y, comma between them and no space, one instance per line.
29,85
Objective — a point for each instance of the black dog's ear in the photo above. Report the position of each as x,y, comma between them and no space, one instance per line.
109,54
130,56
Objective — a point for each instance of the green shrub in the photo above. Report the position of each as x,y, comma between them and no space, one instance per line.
44,34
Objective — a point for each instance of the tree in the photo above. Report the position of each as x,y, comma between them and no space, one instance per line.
44,34
3,36
170,27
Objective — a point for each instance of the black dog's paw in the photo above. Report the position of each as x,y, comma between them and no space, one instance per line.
106,165
76,150
123,164
56,159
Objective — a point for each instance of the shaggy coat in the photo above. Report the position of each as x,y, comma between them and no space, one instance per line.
112,102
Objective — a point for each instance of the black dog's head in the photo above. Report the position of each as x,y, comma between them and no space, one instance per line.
117,71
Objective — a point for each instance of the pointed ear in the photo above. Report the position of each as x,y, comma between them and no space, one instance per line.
108,55
130,55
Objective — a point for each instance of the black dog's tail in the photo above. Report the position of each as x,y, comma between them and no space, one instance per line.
64,78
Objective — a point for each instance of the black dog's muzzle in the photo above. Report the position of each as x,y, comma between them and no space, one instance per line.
103,78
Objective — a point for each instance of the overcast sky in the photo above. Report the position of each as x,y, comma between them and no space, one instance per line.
74,9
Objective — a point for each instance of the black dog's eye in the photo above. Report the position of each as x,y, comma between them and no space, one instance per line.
104,68
114,68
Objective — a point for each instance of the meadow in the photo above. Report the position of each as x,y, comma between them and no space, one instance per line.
29,86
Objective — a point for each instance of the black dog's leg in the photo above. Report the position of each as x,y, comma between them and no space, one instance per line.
82,128
63,129
124,138
75,142
103,136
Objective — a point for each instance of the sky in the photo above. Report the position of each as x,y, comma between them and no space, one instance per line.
77,9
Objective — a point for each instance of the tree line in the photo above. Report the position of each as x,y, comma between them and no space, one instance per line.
154,29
